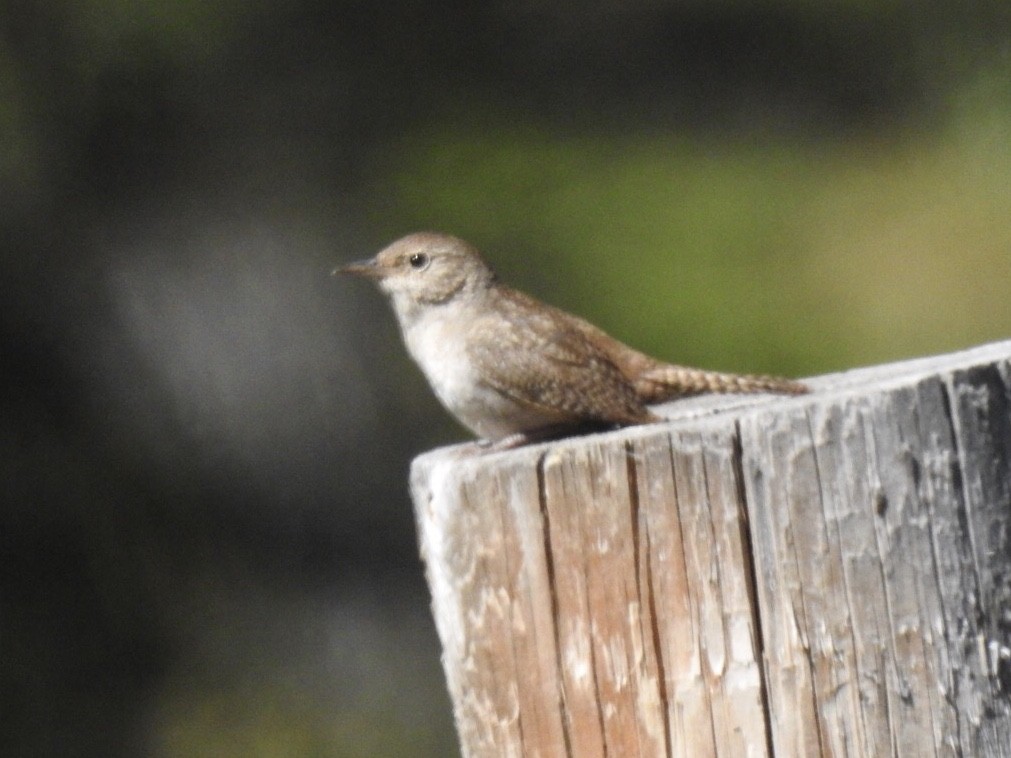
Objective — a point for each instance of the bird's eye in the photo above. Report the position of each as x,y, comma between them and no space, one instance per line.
418,261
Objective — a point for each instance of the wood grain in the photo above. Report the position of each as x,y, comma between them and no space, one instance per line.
822,575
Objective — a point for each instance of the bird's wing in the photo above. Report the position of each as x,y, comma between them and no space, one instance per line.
538,357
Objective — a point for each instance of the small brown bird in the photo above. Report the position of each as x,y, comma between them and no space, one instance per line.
513,369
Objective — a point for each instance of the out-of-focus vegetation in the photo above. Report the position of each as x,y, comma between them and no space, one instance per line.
205,542
753,252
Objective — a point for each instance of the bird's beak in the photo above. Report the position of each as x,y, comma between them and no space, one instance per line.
367,268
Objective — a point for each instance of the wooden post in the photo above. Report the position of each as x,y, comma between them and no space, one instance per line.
823,575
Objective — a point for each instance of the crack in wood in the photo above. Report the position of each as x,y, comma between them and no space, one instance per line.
834,519
598,701
647,566
751,583
979,406
704,492
886,557
549,560
511,611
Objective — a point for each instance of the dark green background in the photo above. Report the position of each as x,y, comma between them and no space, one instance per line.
206,546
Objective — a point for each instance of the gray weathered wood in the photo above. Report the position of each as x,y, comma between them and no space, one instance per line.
823,575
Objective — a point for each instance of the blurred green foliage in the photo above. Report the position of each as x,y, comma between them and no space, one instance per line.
752,253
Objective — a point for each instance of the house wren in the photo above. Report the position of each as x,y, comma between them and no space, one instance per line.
512,369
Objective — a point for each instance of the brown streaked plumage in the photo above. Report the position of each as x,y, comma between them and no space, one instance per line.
511,368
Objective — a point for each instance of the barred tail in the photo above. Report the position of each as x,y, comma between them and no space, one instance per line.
666,382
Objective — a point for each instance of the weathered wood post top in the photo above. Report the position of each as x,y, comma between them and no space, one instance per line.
820,575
